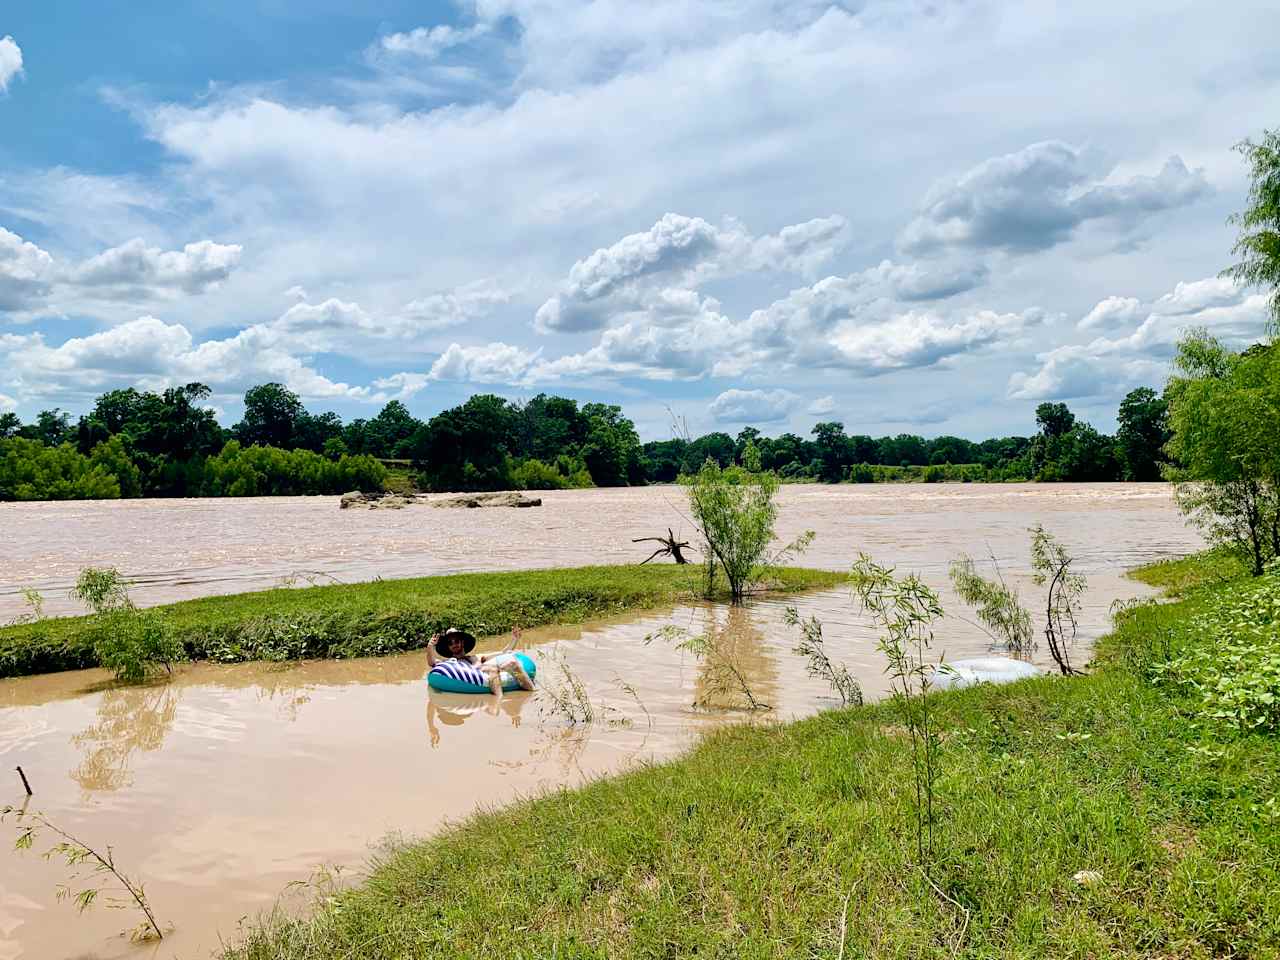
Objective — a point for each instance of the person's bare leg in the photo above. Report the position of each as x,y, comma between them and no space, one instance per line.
517,670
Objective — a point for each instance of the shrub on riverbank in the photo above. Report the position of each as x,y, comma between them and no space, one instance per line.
239,471
1090,816
1228,659
370,619
29,470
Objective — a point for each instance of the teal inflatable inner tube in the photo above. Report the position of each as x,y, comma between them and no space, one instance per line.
439,680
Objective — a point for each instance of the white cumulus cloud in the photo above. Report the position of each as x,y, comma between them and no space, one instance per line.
135,269
1107,366
1035,198
677,253
429,42
10,62
1111,313
452,308
150,353
753,406
25,272
490,363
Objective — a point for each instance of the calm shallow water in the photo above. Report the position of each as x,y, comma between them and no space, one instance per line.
229,783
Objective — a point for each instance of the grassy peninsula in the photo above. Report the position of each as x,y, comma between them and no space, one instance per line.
380,617
1112,815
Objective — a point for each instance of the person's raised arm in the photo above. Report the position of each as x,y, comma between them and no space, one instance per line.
515,640
432,658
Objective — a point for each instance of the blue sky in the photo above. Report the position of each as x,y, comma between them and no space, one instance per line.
922,216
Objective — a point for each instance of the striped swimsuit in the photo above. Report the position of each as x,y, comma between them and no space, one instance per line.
461,670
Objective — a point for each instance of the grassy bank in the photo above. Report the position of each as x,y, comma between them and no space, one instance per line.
369,619
763,839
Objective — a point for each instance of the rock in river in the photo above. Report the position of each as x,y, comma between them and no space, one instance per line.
374,501
395,501
508,499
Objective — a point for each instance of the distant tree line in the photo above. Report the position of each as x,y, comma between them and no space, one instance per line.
136,443
1064,448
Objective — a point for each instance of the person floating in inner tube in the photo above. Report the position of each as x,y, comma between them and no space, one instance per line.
449,653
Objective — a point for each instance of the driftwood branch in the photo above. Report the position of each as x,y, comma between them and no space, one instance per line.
670,547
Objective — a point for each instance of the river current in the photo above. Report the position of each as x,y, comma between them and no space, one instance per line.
227,785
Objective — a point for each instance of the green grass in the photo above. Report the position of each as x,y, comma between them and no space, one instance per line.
399,480
385,616
751,845
1176,577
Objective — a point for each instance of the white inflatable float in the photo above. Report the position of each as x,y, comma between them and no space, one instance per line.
965,673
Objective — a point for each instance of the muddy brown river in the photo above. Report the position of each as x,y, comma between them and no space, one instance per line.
226,787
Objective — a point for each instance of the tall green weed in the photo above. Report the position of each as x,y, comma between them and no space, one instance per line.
129,642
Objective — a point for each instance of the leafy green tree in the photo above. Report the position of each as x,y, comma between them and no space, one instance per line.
162,433
89,433
271,413
664,459
1258,242
116,409
9,425
390,432
1069,449
777,452
1088,455
735,513
168,435
906,449
612,447
834,451
951,450
112,457
1224,414
863,449
1143,431
719,446
314,432
1002,451
356,435
1054,419
466,447
747,436
549,426
52,428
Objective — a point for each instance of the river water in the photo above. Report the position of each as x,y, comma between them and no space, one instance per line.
232,782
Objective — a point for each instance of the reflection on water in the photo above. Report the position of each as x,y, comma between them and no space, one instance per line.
453,709
223,786
129,719
736,668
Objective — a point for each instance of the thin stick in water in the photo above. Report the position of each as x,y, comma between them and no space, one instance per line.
25,785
